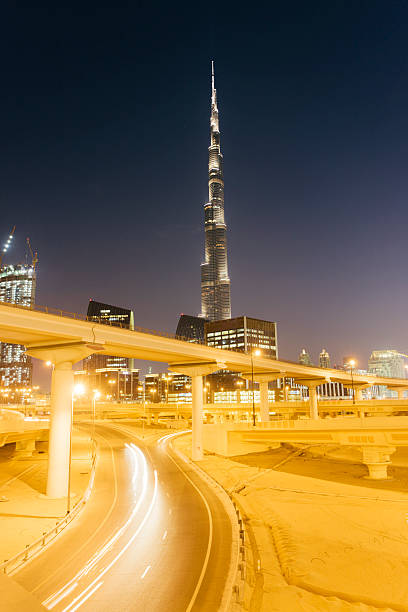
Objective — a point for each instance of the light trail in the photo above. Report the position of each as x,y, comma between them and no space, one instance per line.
63,595
129,542
51,601
87,596
145,572
164,536
172,435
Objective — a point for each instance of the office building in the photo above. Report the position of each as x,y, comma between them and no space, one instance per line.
156,387
17,286
215,282
179,389
243,334
191,328
324,359
304,357
387,362
113,384
108,315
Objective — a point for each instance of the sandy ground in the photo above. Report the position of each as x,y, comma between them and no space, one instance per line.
25,512
321,537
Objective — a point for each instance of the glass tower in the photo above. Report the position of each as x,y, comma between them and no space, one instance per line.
215,282
17,286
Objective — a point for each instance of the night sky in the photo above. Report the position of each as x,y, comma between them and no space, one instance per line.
104,135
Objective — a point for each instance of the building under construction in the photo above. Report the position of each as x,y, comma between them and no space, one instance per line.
17,286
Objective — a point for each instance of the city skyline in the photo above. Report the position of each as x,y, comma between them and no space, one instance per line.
314,133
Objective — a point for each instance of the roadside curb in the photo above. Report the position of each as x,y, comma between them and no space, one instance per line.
11,565
232,599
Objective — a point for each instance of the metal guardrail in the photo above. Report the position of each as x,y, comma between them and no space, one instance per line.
143,330
98,320
104,321
37,546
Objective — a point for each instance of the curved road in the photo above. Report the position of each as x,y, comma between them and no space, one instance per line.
152,537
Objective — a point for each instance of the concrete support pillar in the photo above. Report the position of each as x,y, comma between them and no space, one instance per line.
264,403
197,418
60,430
377,459
314,409
401,394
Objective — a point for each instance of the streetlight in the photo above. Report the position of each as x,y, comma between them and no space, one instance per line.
78,390
142,389
96,395
239,384
208,392
257,352
352,364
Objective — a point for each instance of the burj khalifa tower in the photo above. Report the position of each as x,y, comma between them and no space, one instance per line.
215,282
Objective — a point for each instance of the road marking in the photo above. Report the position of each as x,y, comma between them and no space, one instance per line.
138,530
145,572
210,537
51,598
164,536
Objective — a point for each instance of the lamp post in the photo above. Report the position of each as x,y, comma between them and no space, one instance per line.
239,384
257,352
96,395
111,382
352,363
77,391
141,388
208,392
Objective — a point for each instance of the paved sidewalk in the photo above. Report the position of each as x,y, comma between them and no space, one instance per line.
25,512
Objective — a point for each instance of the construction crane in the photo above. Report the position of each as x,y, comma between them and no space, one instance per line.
7,244
34,257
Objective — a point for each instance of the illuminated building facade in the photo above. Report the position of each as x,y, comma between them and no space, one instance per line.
179,389
156,388
304,357
386,363
215,282
243,334
109,315
113,384
17,286
324,359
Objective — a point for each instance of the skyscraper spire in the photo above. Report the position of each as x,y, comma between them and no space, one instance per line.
215,282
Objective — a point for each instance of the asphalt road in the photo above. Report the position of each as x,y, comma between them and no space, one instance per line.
153,536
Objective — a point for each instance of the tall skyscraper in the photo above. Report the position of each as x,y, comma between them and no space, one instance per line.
324,359
17,286
304,357
215,282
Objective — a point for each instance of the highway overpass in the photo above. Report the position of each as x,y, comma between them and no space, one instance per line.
65,338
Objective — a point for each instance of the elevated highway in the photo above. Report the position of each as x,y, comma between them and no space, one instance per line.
377,437
65,338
